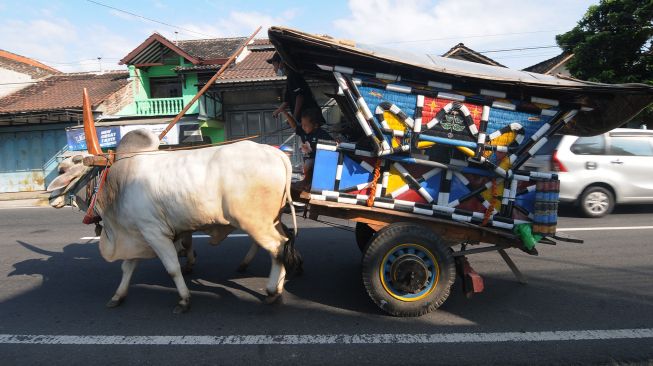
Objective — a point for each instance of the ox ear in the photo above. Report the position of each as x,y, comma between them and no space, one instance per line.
60,182
64,180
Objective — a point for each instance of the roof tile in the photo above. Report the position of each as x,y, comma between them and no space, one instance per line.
64,91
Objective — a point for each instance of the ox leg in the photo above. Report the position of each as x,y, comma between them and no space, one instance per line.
128,267
272,241
187,245
165,250
248,258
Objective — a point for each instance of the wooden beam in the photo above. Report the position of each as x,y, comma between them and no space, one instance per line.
208,84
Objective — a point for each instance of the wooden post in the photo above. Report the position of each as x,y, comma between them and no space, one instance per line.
208,84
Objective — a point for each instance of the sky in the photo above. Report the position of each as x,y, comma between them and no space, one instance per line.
71,35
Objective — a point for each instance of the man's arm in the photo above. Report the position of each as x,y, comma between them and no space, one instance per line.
299,102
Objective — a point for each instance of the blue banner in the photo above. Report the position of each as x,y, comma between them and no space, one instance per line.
107,136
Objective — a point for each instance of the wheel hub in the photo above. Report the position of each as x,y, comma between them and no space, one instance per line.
409,274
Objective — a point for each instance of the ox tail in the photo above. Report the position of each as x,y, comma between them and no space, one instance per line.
286,163
293,261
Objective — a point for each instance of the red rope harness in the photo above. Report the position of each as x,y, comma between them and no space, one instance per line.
91,217
377,174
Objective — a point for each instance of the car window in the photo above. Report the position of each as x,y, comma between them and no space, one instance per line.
593,145
630,146
550,145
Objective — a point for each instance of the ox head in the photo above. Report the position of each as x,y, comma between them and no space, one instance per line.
71,171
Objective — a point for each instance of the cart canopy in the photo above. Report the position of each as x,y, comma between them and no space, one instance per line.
604,106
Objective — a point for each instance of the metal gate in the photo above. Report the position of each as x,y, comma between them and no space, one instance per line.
272,130
27,158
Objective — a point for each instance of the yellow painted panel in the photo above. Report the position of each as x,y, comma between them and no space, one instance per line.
394,181
394,122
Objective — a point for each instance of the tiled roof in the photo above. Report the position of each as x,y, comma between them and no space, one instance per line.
253,67
64,91
462,52
550,64
25,65
211,49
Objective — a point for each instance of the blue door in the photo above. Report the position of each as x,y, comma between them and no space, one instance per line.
28,157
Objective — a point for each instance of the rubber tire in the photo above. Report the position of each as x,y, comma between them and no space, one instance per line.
596,189
364,234
403,233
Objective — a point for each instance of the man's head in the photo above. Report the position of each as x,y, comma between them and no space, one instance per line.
311,118
276,63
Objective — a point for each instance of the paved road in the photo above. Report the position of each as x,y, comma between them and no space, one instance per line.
590,303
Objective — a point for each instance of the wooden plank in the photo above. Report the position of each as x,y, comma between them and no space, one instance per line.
98,160
449,230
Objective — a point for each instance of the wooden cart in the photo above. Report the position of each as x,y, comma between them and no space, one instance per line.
437,158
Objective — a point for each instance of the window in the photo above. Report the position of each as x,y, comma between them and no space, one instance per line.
165,87
594,145
630,146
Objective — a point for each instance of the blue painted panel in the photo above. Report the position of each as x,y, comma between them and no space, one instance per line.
324,173
353,174
458,189
526,201
432,185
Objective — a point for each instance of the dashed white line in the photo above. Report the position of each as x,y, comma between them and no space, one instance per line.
345,339
194,236
605,228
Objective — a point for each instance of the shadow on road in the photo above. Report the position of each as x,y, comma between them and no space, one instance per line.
77,283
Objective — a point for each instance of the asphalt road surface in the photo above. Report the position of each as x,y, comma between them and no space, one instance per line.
586,303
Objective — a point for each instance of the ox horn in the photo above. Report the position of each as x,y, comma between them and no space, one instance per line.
92,144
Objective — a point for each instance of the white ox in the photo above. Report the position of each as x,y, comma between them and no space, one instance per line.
151,198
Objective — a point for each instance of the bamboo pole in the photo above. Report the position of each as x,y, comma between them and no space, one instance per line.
208,84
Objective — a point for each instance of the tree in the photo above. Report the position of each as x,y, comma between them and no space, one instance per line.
612,43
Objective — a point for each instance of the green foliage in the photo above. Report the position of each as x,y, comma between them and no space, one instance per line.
612,43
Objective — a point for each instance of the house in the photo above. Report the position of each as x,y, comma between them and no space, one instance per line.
553,66
33,122
17,72
166,75
462,52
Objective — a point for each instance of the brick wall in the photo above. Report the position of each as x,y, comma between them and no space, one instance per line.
118,100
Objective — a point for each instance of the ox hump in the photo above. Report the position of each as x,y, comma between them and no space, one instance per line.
137,141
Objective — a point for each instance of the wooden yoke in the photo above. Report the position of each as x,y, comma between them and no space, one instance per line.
208,84
90,133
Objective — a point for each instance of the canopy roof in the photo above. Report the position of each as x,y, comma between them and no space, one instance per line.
606,106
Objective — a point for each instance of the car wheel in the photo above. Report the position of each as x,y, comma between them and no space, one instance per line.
596,202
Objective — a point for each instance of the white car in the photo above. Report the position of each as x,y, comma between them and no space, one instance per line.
600,171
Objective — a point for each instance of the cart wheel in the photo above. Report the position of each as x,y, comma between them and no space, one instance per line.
407,270
364,234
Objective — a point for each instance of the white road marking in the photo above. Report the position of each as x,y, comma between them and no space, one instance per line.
605,228
194,236
304,339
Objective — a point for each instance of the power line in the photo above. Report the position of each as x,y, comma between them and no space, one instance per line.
150,19
518,49
470,36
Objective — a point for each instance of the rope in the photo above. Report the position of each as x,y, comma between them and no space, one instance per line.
90,217
377,174
490,209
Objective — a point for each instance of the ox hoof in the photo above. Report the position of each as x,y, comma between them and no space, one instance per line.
181,308
273,299
242,268
114,303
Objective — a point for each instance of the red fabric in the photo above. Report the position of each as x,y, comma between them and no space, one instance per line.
433,105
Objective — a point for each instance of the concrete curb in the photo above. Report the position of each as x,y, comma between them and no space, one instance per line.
24,199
